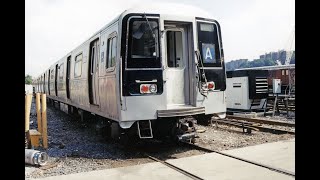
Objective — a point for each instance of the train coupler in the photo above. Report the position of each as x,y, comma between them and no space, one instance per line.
188,137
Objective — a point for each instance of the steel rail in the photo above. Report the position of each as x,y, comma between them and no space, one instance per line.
273,130
255,127
263,121
192,176
241,159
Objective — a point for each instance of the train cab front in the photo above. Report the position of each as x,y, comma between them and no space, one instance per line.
172,67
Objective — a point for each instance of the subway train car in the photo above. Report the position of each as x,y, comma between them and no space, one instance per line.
286,73
247,90
144,72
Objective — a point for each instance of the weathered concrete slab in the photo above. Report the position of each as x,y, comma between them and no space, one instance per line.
216,166
207,166
150,171
277,154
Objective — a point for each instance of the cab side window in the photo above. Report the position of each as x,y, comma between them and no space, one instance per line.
111,52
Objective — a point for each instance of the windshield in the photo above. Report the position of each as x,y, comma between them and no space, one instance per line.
143,42
209,44
143,50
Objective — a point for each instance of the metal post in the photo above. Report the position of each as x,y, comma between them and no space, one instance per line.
38,112
28,99
274,105
278,110
287,104
44,121
265,104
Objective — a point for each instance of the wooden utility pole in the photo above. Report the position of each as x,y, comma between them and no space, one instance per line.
44,121
28,99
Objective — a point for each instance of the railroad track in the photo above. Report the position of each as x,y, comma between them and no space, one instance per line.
193,176
248,126
279,170
262,121
186,173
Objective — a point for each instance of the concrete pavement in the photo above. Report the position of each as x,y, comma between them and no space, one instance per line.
277,154
207,166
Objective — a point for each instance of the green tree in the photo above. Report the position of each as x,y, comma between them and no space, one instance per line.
28,79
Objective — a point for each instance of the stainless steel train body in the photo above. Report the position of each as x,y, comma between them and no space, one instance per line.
147,65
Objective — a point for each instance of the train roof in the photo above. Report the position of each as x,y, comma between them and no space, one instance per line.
169,9
172,9
163,9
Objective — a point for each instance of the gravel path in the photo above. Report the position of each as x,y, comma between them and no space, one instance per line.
76,147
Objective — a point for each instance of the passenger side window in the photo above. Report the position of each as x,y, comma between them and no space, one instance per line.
111,52
52,75
78,66
61,71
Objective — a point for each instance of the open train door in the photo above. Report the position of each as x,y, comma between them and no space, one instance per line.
49,81
68,77
177,69
56,80
94,72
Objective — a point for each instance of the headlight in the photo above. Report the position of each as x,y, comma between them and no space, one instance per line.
153,88
148,88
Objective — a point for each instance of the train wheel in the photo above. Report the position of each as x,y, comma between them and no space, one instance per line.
124,139
127,140
203,119
106,132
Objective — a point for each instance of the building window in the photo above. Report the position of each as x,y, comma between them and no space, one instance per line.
78,66
287,72
282,72
111,52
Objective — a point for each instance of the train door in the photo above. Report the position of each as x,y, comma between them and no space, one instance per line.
177,69
94,72
56,80
68,77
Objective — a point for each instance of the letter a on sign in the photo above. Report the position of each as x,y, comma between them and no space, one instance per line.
208,53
